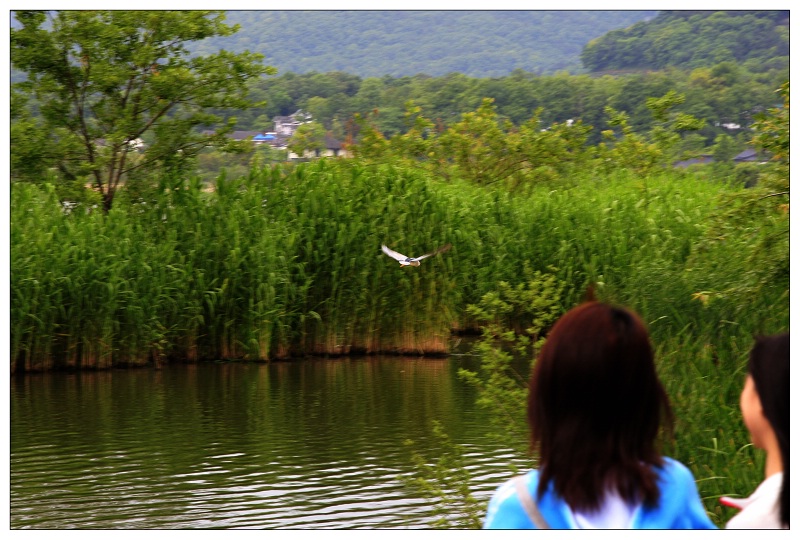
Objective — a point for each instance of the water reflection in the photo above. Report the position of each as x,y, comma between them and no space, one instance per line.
313,444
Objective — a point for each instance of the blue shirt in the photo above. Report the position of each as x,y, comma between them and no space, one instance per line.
679,505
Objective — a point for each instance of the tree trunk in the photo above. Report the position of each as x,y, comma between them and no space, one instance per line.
108,199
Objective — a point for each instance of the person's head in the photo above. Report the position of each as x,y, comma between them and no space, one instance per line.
765,403
595,406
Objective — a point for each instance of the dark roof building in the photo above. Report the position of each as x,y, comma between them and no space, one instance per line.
243,135
331,143
700,160
747,155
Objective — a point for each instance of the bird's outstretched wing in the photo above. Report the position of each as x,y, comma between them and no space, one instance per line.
436,252
393,254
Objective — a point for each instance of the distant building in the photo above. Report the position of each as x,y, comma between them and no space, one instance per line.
746,156
287,125
243,135
284,127
699,160
730,126
265,138
333,148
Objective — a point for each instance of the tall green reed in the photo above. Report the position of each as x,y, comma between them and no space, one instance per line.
286,261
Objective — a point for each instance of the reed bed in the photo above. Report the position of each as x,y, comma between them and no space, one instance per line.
287,261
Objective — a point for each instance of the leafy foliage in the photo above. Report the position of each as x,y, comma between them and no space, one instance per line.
446,484
512,319
501,389
484,149
106,80
772,131
309,137
527,309
724,94
640,153
751,228
332,297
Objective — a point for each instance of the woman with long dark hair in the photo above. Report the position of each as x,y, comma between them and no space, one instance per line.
595,409
765,411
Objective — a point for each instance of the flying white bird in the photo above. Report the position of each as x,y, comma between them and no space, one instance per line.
412,261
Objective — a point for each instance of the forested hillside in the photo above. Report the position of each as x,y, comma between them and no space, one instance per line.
691,39
397,43
721,94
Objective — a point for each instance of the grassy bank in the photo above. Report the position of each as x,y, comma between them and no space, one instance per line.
288,262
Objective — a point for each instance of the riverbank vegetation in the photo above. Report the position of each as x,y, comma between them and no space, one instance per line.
286,260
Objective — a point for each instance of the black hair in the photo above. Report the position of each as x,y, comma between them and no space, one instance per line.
769,368
595,408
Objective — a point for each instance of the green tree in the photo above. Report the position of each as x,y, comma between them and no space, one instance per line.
750,231
642,153
372,145
725,148
772,131
106,80
32,154
416,141
479,147
669,125
309,137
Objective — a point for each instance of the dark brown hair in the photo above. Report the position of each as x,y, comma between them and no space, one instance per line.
769,367
595,406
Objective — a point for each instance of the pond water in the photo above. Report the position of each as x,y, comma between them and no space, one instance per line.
316,444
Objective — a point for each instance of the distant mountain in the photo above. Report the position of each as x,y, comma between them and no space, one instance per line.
399,43
693,39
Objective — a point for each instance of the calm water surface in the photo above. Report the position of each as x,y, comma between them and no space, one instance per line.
315,444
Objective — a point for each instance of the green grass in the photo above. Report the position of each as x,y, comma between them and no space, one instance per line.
284,262
704,381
